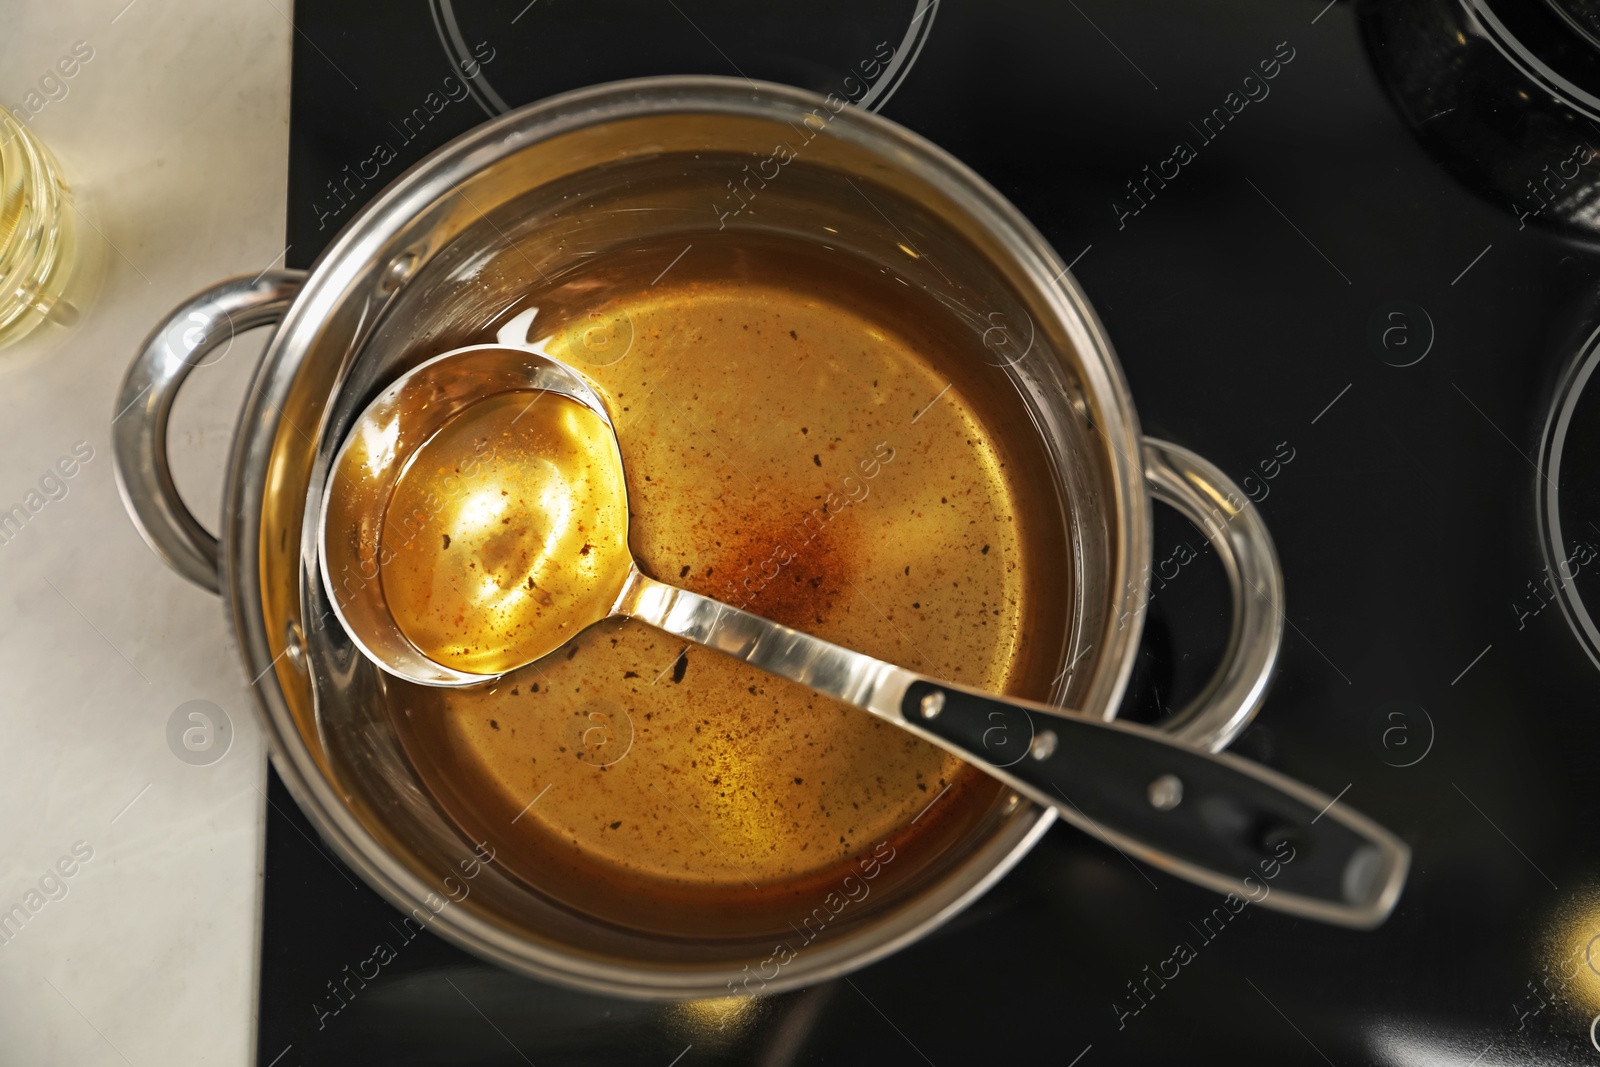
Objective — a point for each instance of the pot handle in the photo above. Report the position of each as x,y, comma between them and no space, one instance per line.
1210,499
206,322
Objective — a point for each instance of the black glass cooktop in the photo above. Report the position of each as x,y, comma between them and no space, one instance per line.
1343,252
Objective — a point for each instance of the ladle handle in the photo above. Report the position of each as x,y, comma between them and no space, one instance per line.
200,327
1214,819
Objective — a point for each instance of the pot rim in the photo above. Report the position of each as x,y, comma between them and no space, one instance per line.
365,237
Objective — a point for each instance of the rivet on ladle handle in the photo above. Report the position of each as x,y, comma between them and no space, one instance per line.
1217,820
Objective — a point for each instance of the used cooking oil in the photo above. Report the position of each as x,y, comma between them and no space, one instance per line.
803,436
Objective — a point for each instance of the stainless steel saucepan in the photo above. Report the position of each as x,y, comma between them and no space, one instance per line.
443,251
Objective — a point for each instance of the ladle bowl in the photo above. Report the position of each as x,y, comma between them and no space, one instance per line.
387,436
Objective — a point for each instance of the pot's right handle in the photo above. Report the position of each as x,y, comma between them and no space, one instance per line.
208,321
1209,498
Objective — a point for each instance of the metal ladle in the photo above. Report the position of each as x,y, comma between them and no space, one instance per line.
1217,820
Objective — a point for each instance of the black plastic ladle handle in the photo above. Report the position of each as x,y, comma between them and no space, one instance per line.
1217,820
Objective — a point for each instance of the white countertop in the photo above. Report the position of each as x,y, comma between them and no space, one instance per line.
176,132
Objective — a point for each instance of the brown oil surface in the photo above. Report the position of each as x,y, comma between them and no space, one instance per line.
819,443
529,550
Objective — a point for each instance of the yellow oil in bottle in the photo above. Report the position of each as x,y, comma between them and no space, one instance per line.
37,235
507,533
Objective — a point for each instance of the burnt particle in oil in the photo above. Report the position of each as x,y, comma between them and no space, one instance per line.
916,603
799,780
573,651
804,430
446,540
493,725
535,687
617,824
630,674
683,572
816,458
791,334
680,666
514,691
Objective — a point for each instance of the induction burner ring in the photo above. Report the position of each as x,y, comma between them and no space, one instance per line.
877,95
1570,446
1534,67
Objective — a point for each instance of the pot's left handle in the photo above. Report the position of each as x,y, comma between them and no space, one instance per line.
205,323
